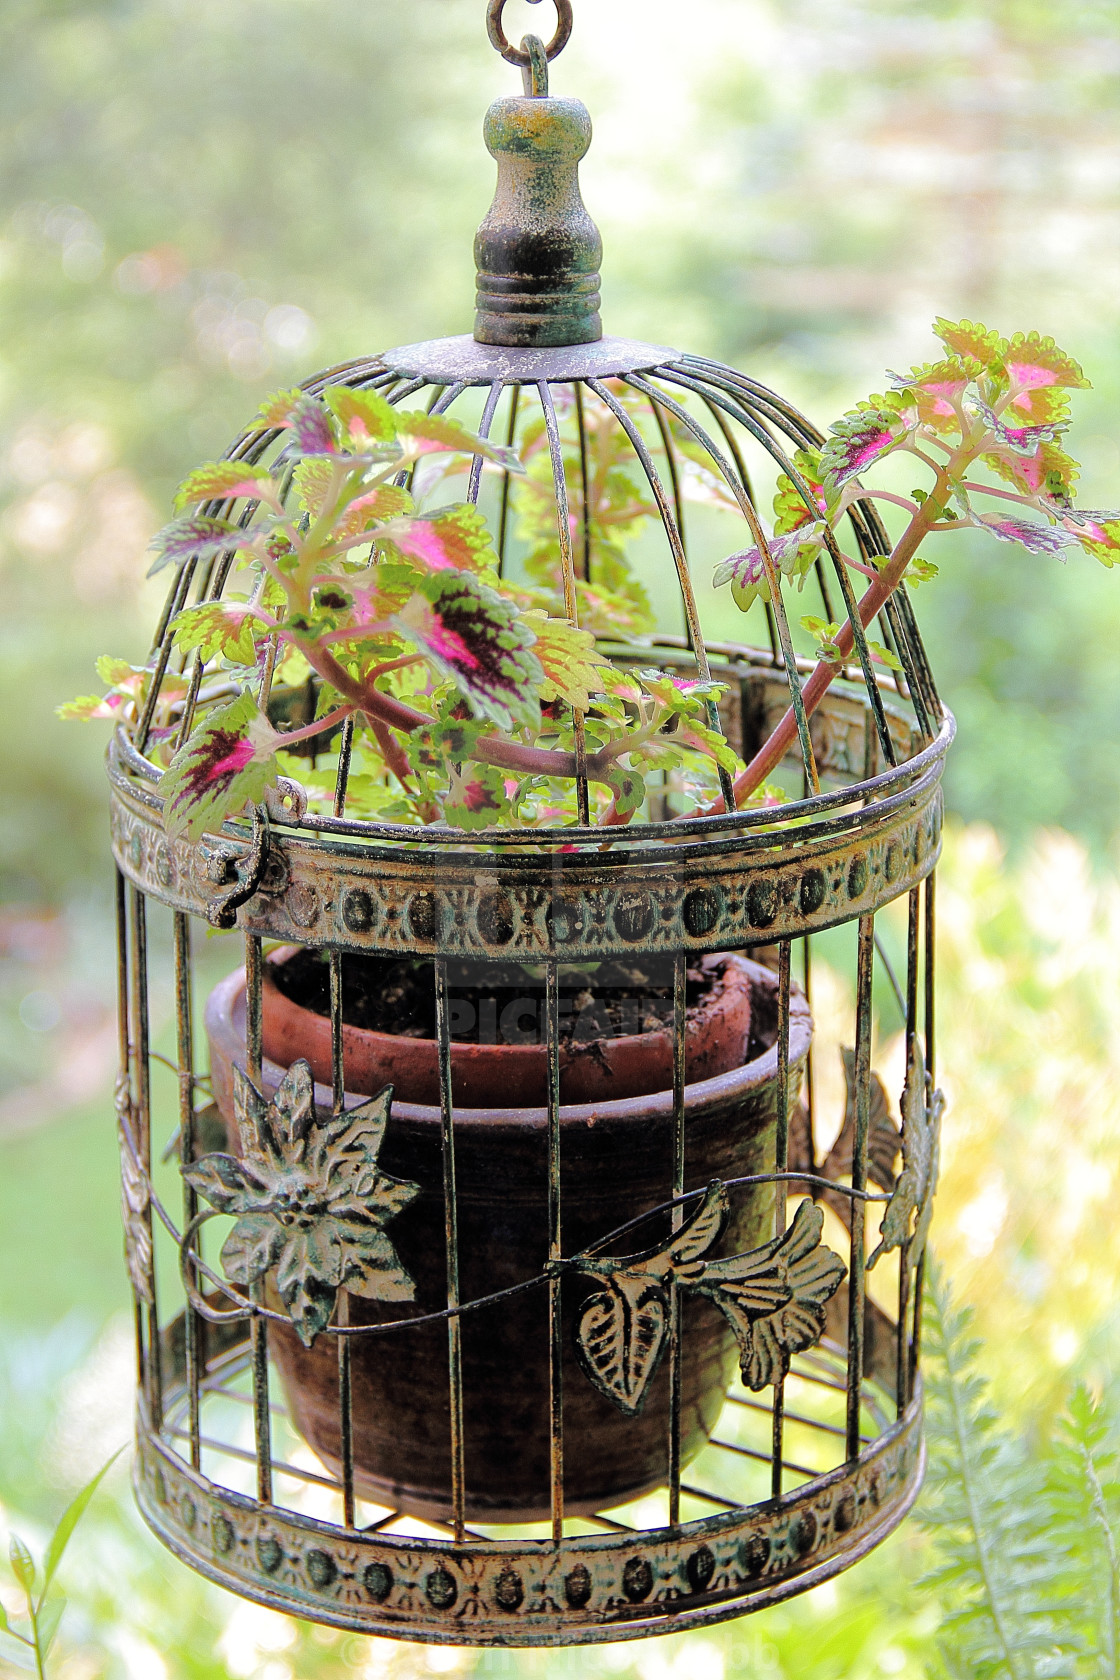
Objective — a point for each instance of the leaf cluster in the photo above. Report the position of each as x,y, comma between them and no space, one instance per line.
463,689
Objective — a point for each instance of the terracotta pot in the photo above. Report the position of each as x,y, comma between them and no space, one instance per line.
513,1075
615,1163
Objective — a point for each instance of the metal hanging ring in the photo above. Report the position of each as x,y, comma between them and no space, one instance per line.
518,55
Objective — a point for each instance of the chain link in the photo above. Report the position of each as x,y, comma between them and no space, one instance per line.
519,55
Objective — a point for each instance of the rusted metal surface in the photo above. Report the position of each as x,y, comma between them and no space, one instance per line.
865,831
584,908
495,10
443,360
538,250
584,1590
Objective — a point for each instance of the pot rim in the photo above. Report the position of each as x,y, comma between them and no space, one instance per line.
224,1020
698,1017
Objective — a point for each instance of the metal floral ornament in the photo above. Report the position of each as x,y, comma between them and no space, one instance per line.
310,1198
773,1297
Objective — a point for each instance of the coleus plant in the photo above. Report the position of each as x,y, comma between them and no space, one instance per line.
990,405
466,691
471,695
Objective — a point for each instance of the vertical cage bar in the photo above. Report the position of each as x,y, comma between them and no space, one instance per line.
857,1277
338,1078
585,485
555,1251
920,1272
345,1411
451,1240
124,1075
503,510
262,1417
342,778
567,565
902,1368
931,881
810,1084
142,1085
675,539
781,1164
750,514
254,1055
672,469
345,1396
254,974
493,396
193,1326
676,1349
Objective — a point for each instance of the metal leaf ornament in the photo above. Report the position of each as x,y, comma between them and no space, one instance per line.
774,1297
310,1198
620,1333
883,1143
136,1196
921,1154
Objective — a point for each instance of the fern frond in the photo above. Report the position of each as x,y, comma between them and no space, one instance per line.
1084,1492
988,1506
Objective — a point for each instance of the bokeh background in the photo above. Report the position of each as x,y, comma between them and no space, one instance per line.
203,200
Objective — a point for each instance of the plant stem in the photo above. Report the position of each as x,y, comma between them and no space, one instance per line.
771,753
492,749
317,727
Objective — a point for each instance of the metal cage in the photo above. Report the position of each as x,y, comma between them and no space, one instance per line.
799,1475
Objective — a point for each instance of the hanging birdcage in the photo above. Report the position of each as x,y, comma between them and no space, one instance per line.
616,1379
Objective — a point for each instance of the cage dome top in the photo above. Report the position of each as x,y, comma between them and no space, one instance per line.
620,438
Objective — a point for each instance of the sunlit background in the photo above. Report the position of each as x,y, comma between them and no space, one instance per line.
204,200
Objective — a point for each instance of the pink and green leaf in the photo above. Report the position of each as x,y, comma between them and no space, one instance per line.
195,536
228,628
969,341
430,434
477,799
1049,471
792,552
1098,534
223,481
573,667
454,539
365,417
1020,440
311,429
790,509
858,440
628,787
935,390
227,764
1033,363
86,707
1035,538
479,640
276,410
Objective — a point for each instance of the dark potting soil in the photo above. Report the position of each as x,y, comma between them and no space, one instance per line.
491,1003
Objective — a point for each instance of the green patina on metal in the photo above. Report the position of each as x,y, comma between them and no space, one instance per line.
538,251
829,1376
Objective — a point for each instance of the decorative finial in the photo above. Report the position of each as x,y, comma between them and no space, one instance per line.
538,251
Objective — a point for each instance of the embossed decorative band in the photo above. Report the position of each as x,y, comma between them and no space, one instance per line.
386,899
588,1589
